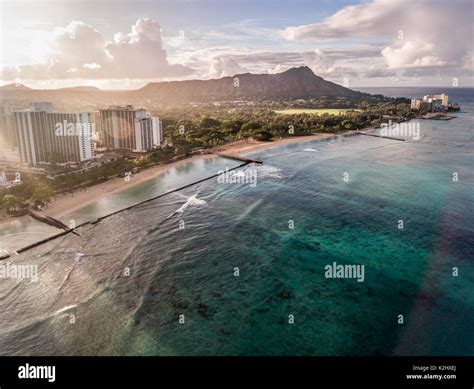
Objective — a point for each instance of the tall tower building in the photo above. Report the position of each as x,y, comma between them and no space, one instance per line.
148,131
7,131
130,128
45,136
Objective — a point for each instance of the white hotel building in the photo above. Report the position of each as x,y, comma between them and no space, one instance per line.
130,128
44,136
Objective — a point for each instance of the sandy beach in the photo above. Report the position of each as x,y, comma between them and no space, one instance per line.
64,204
239,148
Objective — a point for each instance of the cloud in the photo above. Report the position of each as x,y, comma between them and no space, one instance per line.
417,33
377,39
332,63
412,55
140,54
223,67
91,66
80,51
351,21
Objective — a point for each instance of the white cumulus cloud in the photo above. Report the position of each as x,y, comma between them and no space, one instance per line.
80,51
418,33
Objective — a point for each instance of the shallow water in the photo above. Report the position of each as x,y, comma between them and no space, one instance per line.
140,270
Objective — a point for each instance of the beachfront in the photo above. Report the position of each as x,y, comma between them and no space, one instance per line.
64,204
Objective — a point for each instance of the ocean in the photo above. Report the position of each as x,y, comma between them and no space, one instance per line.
240,267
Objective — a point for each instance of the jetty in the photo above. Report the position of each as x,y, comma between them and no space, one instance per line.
381,136
437,116
41,242
239,158
52,222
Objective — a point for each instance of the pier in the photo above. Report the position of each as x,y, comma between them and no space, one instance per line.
43,241
239,158
437,116
52,222
381,136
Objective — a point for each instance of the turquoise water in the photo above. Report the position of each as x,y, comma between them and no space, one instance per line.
190,271
22,232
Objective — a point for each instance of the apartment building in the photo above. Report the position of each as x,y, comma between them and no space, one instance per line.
129,128
7,130
44,136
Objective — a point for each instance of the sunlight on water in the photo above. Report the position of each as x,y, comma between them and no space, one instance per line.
140,272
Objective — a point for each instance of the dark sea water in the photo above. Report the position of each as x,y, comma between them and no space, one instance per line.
140,271
456,94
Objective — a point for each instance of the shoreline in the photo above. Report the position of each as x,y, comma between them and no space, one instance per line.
64,204
243,147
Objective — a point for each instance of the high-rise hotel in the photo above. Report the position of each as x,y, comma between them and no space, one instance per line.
129,128
7,133
44,136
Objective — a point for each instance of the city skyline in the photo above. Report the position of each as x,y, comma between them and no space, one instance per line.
374,43
42,135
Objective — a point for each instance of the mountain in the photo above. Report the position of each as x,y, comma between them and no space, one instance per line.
294,83
81,89
21,87
14,87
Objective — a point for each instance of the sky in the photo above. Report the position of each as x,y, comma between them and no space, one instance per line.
124,44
